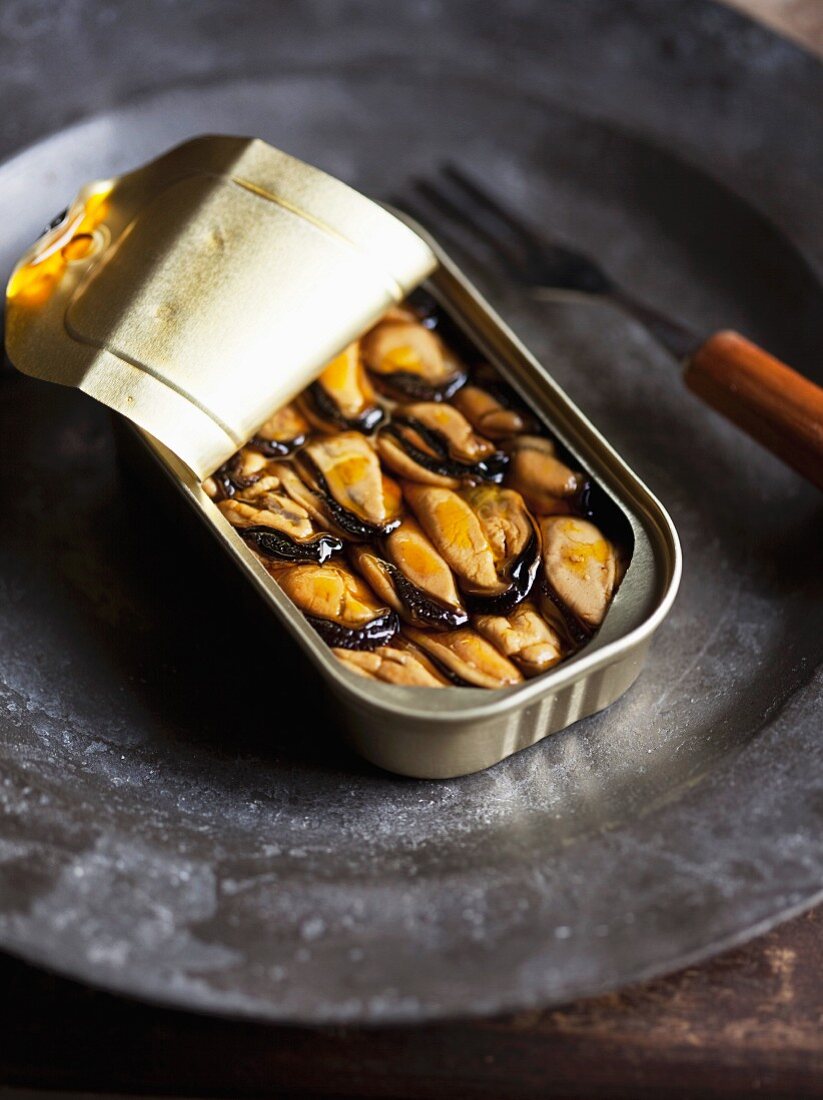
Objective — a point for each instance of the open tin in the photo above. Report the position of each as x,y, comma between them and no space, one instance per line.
197,295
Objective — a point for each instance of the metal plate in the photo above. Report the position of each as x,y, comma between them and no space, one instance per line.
165,833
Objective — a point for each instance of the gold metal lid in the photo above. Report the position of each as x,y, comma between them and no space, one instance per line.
201,292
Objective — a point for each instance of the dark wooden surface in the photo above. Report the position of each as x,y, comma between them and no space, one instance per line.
749,1022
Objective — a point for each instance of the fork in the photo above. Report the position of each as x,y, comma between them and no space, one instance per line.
774,404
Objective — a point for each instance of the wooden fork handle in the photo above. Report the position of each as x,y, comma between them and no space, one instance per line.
771,402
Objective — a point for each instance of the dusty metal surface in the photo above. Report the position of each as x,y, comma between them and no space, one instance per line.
163,832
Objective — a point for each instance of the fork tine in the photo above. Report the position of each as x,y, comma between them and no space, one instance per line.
505,249
510,222
557,265
469,245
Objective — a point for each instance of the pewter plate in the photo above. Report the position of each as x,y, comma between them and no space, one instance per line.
165,832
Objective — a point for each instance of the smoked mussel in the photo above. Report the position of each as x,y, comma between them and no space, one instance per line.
492,412
241,472
409,362
342,398
408,573
282,433
434,444
487,537
339,481
466,658
339,605
547,485
278,528
580,569
400,663
525,636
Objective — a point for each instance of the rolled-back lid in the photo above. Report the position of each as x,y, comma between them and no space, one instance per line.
201,292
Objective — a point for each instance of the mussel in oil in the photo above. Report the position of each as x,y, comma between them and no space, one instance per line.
434,444
338,480
276,527
408,573
342,398
400,663
580,567
491,414
466,658
547,485
283,432
409,362
338,604
241,471
487,537
524,636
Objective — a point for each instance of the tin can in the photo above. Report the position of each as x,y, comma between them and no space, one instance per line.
198,294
